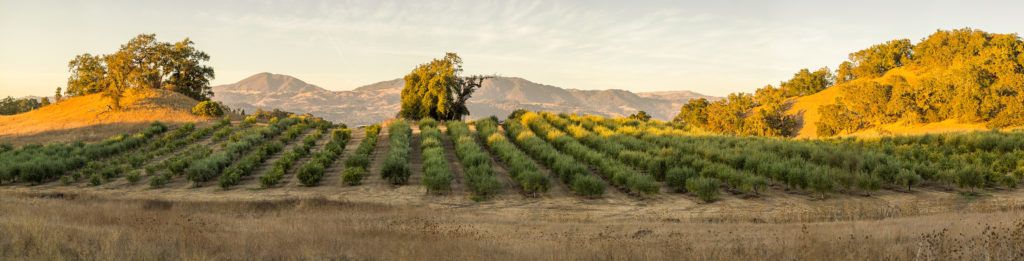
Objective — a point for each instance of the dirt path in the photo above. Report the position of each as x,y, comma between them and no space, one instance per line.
373,177
458,188
415,157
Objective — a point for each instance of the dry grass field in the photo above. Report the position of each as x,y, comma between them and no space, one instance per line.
182,220
111,224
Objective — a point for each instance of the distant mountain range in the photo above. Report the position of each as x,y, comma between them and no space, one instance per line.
498,96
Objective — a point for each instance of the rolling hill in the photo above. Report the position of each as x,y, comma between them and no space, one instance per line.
805,108
88,118
498,96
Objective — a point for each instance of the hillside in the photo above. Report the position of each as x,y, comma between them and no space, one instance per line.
805,108
88,118
498,96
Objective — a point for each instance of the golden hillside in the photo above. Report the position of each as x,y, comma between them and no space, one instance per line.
805,108
89,118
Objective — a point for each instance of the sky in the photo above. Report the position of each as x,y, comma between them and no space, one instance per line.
711,47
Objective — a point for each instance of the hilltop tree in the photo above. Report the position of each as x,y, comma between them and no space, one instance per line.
143,63
876,60
57,97
88,73
436,90
806,82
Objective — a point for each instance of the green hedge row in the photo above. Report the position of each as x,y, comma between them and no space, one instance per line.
357,164
396,162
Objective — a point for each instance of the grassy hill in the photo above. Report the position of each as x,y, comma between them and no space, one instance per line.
805,109
88,118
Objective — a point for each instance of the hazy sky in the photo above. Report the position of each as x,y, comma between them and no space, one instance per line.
712,48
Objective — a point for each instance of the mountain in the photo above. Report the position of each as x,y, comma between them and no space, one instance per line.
497,96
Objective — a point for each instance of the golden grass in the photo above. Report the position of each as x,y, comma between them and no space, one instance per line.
88,118
85,226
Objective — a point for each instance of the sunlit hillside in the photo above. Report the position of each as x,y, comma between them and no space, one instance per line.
89,118
805,108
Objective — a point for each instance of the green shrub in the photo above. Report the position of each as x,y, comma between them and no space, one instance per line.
396,162
907,178
209,109
160,180
133,177
676,177
310,174
588,186
357,160
353,175
96,179
706,188
65,180
755,184
867,182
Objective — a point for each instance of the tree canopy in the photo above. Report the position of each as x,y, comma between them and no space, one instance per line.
963,74
143,63
436,90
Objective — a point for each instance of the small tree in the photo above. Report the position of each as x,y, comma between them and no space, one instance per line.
908,178
705,188
640,116
209,109
821,183
867,182
971,177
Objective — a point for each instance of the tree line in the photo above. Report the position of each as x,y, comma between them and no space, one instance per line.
11,106
142,63
964,74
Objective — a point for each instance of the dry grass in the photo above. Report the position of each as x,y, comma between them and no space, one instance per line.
86,226
87,117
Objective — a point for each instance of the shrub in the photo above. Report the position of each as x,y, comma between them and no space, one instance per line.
706,188
588,186
675,178
867,182
907,178
310,174
160,180
96,179
357,160
353,175
133,177
209,109
971,176
65,180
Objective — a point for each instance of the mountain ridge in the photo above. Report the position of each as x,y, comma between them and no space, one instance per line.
498,96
